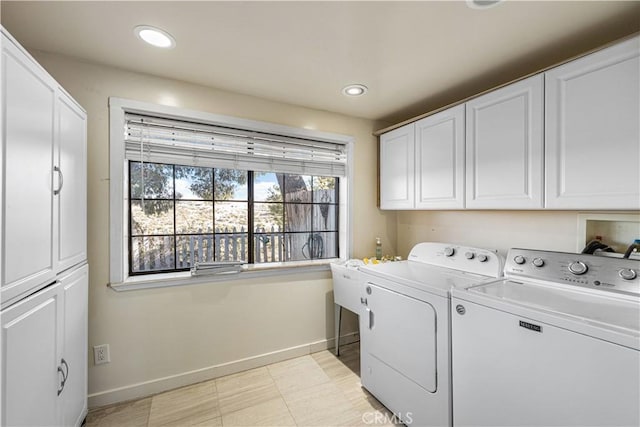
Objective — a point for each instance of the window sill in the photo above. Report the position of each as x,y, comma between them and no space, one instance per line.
164,280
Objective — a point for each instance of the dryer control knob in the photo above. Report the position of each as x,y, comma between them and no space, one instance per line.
518,259
538,262
482,258
627,274
449,251
578,268
469,255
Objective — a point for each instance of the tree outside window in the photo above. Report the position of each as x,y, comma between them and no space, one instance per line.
180,215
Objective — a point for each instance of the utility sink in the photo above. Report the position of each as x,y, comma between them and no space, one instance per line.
346,291
346,286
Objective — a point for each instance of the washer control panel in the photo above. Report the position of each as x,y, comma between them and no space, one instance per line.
587,271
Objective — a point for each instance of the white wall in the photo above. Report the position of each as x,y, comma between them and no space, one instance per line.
167,337
501,230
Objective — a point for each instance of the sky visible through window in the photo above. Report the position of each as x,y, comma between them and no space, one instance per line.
263,182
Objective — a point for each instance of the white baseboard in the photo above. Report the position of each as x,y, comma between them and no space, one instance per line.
158,385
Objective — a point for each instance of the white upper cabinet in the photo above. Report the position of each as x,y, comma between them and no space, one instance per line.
71,163
565,139
422,163
593,130
28,101
44,202
397,163
440,160
504,147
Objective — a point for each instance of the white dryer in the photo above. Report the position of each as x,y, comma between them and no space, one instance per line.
554,343
405,343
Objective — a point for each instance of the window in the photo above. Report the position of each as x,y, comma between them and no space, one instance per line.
181,215
200,188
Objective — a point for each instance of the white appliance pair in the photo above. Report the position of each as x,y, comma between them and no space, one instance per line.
556,342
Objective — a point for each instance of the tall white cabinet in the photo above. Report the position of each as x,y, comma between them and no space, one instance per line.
29,99
593,130
71,161
44,275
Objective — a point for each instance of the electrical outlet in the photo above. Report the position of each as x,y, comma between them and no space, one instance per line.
101,354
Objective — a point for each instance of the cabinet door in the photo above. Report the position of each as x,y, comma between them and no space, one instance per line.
28,260
71,159
440,160
505,147
397,168
593,131
31,334
74,395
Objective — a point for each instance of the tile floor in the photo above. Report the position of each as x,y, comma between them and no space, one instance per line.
314,390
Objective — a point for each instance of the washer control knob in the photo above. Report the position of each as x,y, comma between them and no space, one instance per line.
578,268
627,274
519,259
469,255
538,262
482,258
449,251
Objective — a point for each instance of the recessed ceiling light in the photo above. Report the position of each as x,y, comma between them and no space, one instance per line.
354,90
155,36
483,4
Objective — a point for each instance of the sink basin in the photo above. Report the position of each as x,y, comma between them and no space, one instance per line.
346,287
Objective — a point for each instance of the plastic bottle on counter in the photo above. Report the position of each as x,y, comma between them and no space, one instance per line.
378,249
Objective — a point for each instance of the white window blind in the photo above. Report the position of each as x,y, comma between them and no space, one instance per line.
164,140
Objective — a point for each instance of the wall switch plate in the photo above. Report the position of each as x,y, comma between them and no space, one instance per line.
101,354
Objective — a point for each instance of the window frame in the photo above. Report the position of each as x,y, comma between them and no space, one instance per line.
119,278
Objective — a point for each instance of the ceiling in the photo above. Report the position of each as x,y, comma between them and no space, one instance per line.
413,56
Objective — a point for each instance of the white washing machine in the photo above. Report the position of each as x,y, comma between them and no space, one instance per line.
405,343
554,343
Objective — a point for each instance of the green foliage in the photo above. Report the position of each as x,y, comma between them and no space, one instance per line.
226,182
324,183
275,209
223,187
199,179
155,181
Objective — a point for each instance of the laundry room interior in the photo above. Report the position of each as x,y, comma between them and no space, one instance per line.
262,218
